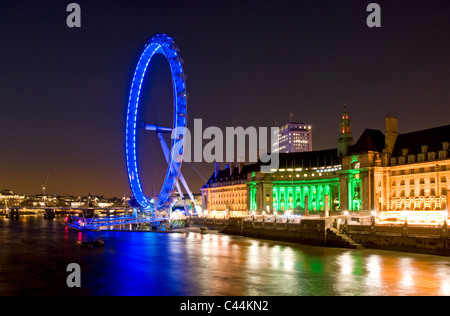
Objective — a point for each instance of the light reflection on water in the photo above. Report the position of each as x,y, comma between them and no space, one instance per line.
34,254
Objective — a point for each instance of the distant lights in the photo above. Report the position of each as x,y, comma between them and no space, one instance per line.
317,170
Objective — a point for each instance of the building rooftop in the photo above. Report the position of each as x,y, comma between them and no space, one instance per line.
309,159
370,140
432,137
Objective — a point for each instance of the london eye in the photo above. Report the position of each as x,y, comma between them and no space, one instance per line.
165,46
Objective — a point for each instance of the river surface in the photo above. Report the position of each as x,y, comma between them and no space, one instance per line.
35,253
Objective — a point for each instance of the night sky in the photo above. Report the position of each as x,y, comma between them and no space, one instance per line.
64,91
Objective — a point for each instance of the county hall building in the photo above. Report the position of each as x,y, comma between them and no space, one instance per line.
398,176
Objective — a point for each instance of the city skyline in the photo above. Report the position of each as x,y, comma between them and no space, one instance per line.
63,91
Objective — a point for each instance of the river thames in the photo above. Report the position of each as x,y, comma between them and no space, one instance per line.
34,255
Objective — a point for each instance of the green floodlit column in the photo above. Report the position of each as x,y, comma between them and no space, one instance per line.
349,193
298,197
321,198
305,197
253,199
290,197
275,199
281,193
278,197
276,190
328,192
314,198
294,197
306,194
354,194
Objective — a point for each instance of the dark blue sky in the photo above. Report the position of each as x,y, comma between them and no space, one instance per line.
63,92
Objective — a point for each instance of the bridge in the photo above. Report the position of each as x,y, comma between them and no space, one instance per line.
51,211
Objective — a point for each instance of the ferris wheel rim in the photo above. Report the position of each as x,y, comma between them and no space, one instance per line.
164,45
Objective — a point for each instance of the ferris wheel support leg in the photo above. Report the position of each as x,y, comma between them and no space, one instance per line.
166,151
186,187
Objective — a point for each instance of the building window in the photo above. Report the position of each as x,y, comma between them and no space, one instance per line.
411,193
411,182
444,191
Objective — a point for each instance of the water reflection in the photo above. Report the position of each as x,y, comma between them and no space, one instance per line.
34,255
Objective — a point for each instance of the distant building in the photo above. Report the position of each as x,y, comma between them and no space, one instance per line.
226,191
9,198
295,137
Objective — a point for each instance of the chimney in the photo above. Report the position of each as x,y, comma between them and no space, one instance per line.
231,166
216,169
241,166
228,166
391,134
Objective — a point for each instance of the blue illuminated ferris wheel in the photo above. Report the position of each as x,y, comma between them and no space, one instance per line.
164,45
